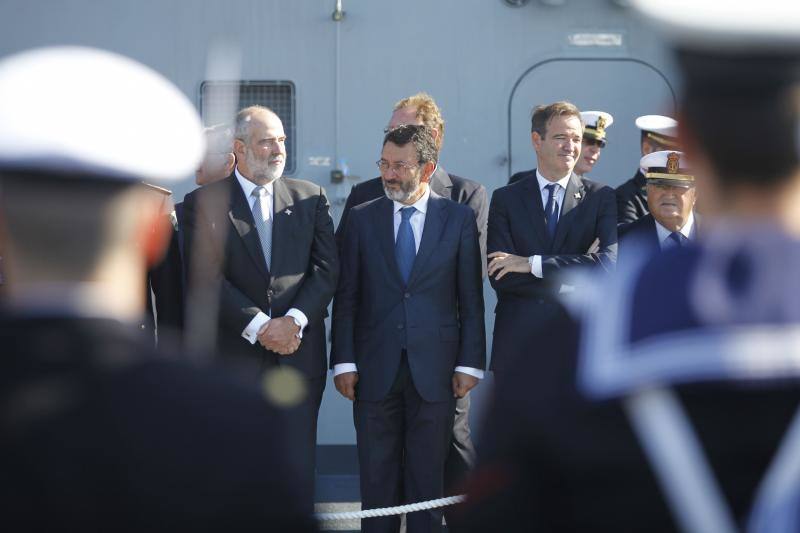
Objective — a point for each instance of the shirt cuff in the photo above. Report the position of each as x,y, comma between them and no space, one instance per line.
474,372
250,333
342,368
300,319
536,265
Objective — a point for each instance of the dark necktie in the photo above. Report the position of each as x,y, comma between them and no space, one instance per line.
676,240
405,250
551,210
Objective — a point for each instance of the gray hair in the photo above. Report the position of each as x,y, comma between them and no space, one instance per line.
244,119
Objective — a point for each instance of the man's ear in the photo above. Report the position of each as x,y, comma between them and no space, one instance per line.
230,163
427,171
536,140
238,148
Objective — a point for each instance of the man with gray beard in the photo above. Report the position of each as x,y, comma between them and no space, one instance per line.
265,244
408,329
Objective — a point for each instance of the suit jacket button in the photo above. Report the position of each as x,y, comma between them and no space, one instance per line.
399,326
270,293
407,295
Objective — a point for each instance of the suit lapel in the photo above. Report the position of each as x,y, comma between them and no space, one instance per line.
282,234
242,218
431,234
572,197
532,200
385,227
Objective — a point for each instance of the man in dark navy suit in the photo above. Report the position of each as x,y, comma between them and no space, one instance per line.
540,227
408,329
420,109
671,197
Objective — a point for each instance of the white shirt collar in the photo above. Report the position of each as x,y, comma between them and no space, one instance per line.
686,230
544,182
421,204
248,186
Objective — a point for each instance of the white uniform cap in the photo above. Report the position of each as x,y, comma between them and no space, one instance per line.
667,166
83,111
658,124
702,23
596,122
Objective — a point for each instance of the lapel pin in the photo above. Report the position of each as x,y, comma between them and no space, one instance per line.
577,196
288,211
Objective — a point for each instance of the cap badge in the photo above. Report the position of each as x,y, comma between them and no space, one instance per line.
673,163
601,124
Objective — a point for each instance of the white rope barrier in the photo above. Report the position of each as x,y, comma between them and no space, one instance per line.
390,511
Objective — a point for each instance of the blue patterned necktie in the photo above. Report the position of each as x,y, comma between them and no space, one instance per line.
405,250
263,227
551,210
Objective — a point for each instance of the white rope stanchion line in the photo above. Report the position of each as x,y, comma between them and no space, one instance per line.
390,511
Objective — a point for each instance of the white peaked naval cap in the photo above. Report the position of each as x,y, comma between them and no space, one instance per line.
658,124
87,112
596,122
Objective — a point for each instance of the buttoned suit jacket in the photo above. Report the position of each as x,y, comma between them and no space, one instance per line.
437,317
221,233
458,189
586,236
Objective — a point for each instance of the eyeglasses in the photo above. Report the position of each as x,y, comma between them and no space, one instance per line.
594,142
400,168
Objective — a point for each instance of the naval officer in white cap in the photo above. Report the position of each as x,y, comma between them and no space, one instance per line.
671,197
657,133
595,124
97,431
678,402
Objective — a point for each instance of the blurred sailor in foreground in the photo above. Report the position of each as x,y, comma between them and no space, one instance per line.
658,133
681,409
97,432
671,197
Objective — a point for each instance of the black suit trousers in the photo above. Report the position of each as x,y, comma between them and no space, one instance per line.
402,447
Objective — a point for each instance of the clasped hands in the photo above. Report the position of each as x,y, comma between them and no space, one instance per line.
280,335
502,263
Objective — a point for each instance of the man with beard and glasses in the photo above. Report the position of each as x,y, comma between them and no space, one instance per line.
420,109
265,243
408,329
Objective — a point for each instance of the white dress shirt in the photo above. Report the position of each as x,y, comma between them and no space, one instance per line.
250,332
536,260
664,233
417,221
